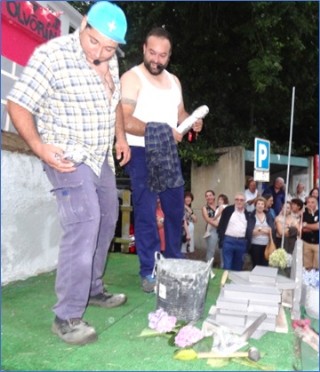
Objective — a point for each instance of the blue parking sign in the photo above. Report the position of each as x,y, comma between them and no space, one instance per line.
261,154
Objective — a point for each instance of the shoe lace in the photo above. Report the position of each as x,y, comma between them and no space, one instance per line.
76,321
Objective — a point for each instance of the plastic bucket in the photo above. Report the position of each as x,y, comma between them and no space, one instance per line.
182,287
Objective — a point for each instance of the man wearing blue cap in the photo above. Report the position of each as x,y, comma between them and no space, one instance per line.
66,107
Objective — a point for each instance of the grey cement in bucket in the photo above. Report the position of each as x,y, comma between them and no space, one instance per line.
182,287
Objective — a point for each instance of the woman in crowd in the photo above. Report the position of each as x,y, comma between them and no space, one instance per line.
315,192
223,202
208,214
288,225
262,224
269,203
190,219
251,193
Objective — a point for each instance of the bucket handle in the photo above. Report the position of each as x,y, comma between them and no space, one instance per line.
158,256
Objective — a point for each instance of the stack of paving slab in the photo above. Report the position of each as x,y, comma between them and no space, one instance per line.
262,274
251,294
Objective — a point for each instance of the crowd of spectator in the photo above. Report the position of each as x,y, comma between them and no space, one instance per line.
244,228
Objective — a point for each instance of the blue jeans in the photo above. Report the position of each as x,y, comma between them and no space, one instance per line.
233,251
144,209
88,211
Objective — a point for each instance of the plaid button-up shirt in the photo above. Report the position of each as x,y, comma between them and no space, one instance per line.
69,101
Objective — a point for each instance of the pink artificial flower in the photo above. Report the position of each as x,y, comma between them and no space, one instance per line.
154,318
161,321
188,336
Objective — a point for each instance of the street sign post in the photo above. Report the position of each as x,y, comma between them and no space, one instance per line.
261,160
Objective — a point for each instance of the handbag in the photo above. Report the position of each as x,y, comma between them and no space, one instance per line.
270,248
184,236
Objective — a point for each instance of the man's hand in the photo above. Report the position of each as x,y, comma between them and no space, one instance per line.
176,135
24,123
197,126
123,152
53,156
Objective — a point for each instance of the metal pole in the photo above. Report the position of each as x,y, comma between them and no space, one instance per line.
288,166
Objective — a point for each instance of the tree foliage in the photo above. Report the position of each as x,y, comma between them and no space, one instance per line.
242,59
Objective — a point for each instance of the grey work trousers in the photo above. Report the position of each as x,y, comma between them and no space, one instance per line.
88,211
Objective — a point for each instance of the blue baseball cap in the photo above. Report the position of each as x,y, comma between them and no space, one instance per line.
109,20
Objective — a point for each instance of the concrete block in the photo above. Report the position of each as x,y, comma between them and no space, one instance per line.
239,277
210,324
256,293
270,317
285,283
263,274
242,277
262,306
230,303
231,320
265,326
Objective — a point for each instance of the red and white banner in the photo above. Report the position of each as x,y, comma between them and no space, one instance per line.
25,25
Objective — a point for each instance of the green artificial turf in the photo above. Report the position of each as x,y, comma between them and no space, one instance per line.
29,345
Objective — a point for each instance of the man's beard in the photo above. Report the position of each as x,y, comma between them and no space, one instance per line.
154,71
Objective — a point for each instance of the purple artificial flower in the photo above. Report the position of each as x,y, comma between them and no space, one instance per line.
166,324
188,336
161,321
154,318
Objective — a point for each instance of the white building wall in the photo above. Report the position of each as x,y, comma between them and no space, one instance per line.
70,16
30,231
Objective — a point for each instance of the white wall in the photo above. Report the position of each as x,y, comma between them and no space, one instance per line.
70,16
30,231
225,176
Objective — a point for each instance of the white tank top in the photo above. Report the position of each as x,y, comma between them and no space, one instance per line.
155,105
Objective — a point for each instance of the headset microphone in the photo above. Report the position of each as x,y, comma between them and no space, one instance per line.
96,62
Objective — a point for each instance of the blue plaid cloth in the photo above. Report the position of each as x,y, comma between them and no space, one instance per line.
163,163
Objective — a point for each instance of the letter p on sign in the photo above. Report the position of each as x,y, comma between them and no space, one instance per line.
261,154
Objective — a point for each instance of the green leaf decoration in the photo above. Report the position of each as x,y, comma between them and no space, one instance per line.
203,345
218,362
180,324
148,332
185,354
250,363
171,339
